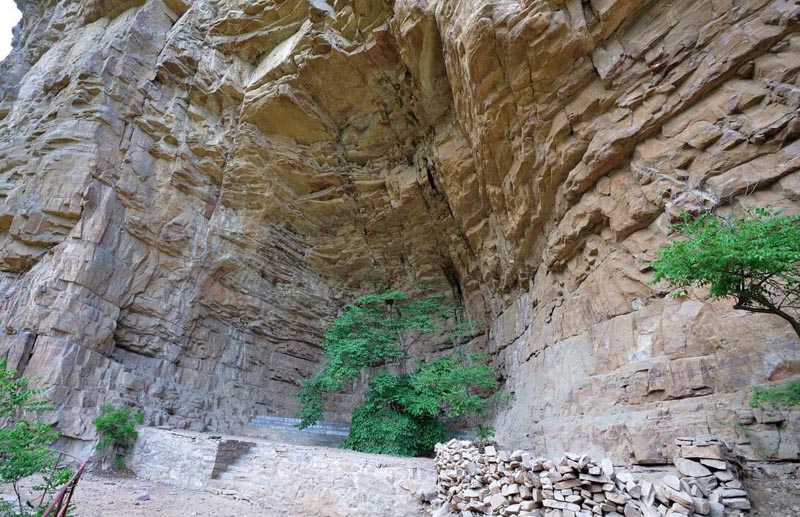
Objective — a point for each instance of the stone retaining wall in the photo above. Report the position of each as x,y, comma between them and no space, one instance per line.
287,480
179,458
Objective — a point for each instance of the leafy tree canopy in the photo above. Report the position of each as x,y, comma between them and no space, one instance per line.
402,410
754,258
24,441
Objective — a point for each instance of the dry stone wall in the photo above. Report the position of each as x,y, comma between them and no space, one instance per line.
190,189
475,481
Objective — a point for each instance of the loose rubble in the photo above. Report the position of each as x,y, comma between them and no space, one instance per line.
495,482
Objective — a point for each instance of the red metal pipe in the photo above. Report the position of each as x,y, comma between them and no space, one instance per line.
57,507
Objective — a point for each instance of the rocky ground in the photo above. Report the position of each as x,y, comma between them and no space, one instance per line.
774,489
114,496
773,493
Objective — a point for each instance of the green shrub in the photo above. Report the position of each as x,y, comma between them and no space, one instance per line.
116,429
754,259
779,396
402,410
401,413
24,442
485,432
383,424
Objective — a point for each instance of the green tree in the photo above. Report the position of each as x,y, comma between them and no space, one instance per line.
24,441
754,259
405,402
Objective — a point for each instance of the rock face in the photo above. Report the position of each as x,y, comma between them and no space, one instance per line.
189,190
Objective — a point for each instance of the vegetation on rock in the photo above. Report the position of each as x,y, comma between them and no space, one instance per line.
403,407
779,396
116,428
485,432
754,258
24,442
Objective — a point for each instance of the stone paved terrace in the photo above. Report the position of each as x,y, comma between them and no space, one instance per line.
326,434
283,429
286,480
288,423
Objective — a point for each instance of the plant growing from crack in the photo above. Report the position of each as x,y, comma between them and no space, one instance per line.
779,396
116,428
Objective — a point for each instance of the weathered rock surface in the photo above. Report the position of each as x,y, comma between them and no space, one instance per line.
188,189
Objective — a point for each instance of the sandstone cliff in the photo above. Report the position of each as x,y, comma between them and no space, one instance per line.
188,189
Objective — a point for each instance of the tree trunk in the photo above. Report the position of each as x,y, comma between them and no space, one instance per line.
794,323
771,308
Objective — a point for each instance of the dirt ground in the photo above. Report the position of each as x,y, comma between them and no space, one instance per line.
774,491
102,496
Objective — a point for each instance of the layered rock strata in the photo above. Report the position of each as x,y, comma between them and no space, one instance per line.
190,189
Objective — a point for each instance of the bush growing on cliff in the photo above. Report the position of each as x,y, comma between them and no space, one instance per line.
754,259
403,406
24,441
116,428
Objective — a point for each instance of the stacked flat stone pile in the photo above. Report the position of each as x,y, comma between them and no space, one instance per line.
705,463
495,482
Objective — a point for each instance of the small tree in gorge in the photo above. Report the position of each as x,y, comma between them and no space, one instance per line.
24,444
402,411
753,259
